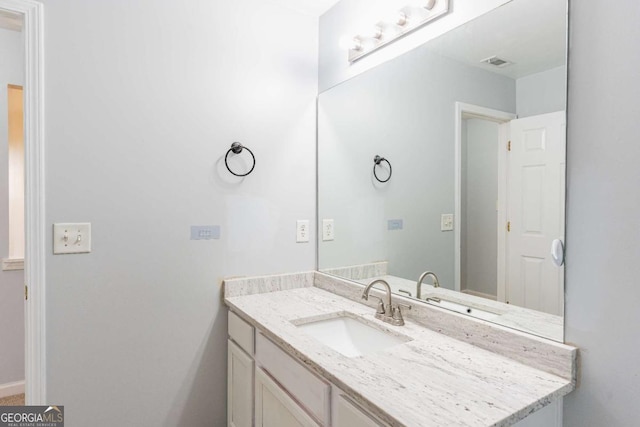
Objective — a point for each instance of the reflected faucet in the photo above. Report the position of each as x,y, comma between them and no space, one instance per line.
387,313
423,276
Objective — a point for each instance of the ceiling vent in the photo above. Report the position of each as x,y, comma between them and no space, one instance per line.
496,62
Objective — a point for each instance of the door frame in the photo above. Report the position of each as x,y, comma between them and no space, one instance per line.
35,226
468,111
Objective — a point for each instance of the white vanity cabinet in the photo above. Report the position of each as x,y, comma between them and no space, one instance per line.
269,388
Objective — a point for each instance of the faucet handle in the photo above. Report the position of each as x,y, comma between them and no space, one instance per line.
404,292
380,308
407,306
397,313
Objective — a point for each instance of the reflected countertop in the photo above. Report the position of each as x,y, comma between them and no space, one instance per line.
531,321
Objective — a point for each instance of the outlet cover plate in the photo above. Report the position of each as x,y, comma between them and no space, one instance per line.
328,233
446,222
302,231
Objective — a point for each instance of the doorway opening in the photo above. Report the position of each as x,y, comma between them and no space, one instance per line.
26,17
12,190
510,206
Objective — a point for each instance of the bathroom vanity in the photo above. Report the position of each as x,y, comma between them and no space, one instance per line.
473,122
306,350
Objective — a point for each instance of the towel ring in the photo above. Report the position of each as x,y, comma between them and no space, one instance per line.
377,160
237,148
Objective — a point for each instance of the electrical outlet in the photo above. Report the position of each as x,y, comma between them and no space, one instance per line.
302,231
446,222
71,238
327,230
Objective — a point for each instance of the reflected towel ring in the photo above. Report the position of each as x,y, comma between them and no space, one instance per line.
237,148
377,160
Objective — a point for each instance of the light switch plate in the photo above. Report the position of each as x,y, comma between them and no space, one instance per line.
446,222
71,238
302,231
327,230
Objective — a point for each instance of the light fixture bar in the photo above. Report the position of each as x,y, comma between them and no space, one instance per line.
408,19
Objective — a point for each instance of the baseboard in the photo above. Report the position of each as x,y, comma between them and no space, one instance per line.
10,389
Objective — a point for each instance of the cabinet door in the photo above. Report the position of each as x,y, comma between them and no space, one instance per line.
349,415
275,408
239,387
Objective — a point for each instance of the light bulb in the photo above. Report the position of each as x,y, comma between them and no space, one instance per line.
377,32
401,19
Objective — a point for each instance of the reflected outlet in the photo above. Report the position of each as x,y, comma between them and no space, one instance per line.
446,222
327,230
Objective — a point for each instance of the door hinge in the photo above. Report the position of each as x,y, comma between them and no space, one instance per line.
509,146
508,225
26,292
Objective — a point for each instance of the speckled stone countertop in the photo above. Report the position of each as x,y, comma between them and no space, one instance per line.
531,321
431,380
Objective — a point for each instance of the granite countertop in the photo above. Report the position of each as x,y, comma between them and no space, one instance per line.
432,380
523,319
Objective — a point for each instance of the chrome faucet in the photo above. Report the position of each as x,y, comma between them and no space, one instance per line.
387,313
423,276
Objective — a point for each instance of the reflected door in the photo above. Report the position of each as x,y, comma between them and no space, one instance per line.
536,181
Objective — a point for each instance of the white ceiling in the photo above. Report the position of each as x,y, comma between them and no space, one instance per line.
308,7
529,33
10,21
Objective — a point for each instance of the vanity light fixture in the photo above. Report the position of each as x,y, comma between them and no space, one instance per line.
408,19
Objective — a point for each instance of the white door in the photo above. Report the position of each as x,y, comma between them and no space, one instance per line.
535,211
275,408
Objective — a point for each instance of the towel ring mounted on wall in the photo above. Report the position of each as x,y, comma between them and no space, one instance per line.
237,148
377,160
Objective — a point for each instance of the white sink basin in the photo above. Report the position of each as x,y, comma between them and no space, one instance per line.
349,335
462,308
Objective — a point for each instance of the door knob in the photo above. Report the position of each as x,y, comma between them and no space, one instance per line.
557,252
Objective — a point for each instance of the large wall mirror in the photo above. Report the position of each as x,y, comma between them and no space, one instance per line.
471,127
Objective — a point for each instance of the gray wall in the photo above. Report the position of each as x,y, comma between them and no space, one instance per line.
395,112
142,101
541,93
11,282
479,222
603,238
